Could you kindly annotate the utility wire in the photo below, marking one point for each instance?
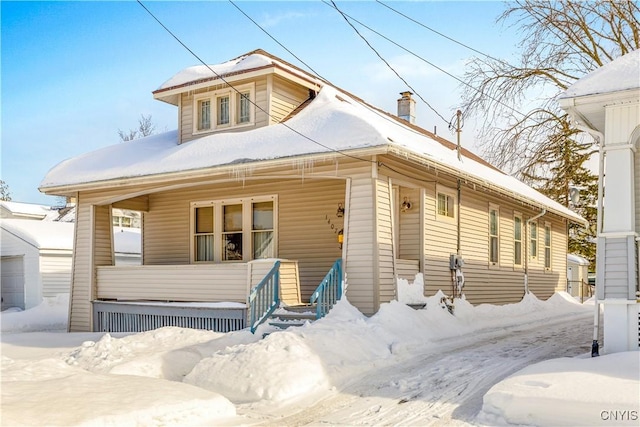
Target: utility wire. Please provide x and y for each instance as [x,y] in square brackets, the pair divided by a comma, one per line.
[252,102]
[364,104]
[426,61]
[439,33]
[385,61]
[275,40]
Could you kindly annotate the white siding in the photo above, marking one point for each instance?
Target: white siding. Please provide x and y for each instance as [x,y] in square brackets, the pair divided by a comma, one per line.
[13,246]
[56,274]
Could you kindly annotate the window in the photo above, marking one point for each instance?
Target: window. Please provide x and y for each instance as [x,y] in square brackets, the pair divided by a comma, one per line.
[203,244]
[547,246]
[517,239]
[232,233]
[493,234]
[224,108]
[234,230]
[446,203]
[262,230]
[204,114]
[533,240]
[222,105]
[244,107]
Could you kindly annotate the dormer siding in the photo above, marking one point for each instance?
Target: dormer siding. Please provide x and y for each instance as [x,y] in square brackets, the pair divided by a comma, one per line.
[271,93]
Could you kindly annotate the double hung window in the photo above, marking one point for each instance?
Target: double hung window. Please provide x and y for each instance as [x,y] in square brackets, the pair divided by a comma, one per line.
[517,239]
[445,203]
[494,242]
[533,240]
[547,246]
[234,230]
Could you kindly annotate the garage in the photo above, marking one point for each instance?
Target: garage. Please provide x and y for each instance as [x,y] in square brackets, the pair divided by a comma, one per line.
[12,290]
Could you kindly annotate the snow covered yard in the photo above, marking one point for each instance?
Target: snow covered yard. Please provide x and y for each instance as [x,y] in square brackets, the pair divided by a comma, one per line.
[399,367]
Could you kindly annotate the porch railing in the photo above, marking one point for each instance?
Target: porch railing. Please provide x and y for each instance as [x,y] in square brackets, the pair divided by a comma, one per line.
[264,297]
[329,291]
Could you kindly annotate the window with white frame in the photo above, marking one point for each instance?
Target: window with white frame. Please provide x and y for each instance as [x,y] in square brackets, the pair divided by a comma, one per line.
[243,115]
[533,240]
[204,114]
[517,239]
[234,230]
[223,108]
[446,203]
[494,242]
[547,246]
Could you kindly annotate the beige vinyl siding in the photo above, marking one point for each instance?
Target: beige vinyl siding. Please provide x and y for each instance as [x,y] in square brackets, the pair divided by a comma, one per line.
[440,243]
[55,270]
[186,112]
[409,225]
[304,232]
[80,299]
[103,236]
[361,260]
[203,282]
[384,241]
[285,97]
[289,278]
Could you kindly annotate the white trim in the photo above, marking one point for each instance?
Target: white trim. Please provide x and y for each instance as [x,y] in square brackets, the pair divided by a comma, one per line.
[449,192]
[213,96]
[496,208]
[544,240]
[618,301]
[517,214]
[218,218]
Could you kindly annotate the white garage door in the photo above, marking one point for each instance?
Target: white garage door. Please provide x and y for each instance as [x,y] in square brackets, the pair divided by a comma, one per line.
[12,291]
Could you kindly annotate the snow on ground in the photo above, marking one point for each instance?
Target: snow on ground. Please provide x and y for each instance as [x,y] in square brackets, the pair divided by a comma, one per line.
[401,366]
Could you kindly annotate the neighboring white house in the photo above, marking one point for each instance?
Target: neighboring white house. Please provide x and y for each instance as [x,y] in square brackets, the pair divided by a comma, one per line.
[606,104]
[578,276]
[18,210]
[36,258]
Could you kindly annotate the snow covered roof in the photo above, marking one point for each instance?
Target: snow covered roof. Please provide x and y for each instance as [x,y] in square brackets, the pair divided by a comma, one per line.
[59,235]
[332,125]
[32,210]
[255,61]
[41,234]
[620,74]
[577,259]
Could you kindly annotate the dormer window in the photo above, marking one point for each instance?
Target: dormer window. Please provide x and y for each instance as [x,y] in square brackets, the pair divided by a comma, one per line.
[228,107]
[204,114]
[222,105]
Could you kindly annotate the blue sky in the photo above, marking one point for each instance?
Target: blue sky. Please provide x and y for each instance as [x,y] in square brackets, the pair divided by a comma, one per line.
[73,73]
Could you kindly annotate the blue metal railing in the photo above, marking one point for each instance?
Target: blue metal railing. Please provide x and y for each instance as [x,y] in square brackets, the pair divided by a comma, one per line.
[328,291]
[265,297]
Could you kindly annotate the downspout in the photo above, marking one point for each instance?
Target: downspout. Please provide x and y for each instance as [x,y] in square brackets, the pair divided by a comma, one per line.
[599,137]
[526,258]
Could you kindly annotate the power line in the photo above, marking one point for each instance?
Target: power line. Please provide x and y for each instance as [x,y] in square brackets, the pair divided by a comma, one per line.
[438,32]
[364,104]
[275,40]
[238,92]
[385,61]
[427,62]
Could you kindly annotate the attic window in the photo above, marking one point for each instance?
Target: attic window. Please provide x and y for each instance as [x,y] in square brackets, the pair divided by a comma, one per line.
[229,107]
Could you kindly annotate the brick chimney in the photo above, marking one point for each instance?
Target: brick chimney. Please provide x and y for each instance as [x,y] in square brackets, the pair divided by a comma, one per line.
[407,107]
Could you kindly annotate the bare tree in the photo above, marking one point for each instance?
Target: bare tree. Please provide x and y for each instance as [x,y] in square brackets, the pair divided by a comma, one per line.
[524,131]
[561,41]
[145,128]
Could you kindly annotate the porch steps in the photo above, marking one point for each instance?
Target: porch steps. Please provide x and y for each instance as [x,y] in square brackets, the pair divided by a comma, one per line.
[294,316]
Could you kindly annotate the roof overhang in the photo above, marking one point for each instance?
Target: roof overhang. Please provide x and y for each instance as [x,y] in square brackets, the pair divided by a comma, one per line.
[171,94]
[589,110]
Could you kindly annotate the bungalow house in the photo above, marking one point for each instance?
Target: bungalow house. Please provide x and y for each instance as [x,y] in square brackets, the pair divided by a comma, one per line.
[606,104]
[273,169]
